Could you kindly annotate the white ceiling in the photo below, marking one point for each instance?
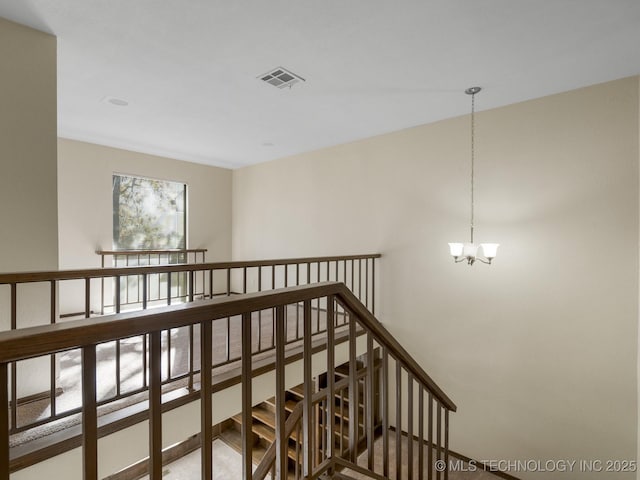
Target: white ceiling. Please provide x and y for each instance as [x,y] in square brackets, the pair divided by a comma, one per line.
[189,68]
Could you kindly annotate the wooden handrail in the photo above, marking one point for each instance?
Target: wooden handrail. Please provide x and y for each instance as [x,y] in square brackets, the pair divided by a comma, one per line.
[55,275]
[47,339]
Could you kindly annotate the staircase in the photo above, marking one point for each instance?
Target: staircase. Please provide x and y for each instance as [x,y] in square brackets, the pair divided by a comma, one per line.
[323,424]
[263,426]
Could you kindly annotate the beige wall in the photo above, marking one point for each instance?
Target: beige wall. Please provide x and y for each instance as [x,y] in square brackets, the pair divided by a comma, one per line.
[28,187]
[539,350]
[29,213]
[85,171]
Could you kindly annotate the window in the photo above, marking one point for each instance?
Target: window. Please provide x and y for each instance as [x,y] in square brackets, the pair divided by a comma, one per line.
[148,214]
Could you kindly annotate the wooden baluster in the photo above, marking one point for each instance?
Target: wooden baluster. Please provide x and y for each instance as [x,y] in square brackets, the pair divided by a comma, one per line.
[117,294]
[298,452]
[273,311]
[210,283]
[439,437]
[307,404]
[126,282]
[273,327]
[89,414]
[331,366]
[145,291]
[366,283]
[321,412]
[191,359]
[102,286]
[421,433]
[169,288]
[168,333]
[204,283]
[244,280]
[228,345]
[373,286]
[297,303]
[353,269]
[344,271]
[360,279]
[446,443]
[353,392]
[247,421]
[273,277]
[87,297]
[260,311]
[206,390]
[14,366]
[4,422]
[191,298]
[52,358]
[342,422]
[369,401]
[410,426]
[398,420]
[384,399]
[318,312]
[118,307]
[281,441]
[430,438]
[155,405]
[118,387]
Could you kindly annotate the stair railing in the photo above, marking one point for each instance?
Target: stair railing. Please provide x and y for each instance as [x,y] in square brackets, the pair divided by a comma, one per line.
[143,287]
[319,454]
[143,258]
[387,377]
[126,258]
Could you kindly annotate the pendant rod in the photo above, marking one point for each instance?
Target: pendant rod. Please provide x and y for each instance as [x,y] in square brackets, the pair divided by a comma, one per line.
[472,91]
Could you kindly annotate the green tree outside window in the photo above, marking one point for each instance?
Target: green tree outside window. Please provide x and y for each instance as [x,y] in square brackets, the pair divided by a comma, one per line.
[148,214]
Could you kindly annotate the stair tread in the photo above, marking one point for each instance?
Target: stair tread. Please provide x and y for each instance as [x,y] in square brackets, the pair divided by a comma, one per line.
[343,369]
[265,416]
[269,419]
[289,404]
[298,390]
[263,431]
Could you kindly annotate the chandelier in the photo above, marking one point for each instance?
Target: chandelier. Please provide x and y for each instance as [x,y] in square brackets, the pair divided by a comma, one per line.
[470,251]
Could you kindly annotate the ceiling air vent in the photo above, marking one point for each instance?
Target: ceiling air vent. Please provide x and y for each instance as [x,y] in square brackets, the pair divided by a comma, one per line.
[281,77]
